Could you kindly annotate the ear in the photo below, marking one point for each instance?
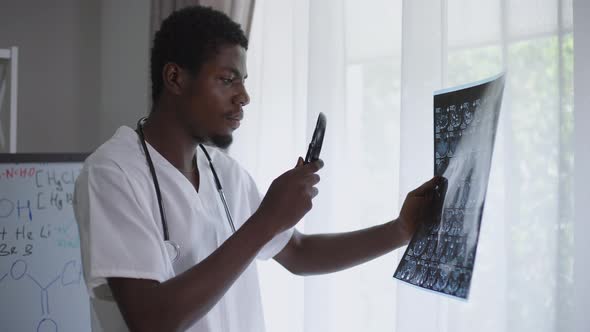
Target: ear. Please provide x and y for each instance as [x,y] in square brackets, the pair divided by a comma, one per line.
[174,78]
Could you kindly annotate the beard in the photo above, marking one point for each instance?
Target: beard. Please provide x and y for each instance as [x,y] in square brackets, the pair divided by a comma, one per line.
[221,141]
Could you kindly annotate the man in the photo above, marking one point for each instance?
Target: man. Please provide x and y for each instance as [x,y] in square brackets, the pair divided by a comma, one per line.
[138,208]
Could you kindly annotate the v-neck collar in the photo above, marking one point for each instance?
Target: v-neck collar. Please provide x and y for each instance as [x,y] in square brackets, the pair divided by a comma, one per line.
[159,160]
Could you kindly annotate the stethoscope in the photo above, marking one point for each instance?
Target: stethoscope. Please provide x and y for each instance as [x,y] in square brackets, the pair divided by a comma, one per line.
[172,247]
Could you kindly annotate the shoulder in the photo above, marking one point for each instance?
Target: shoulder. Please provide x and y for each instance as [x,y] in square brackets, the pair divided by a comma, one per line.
[117,166]
[121,151]
[119,157]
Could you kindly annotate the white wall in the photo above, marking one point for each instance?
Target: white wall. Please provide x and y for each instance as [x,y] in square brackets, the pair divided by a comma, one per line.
[582,163]
[124,60]
[83,69]
[58,72]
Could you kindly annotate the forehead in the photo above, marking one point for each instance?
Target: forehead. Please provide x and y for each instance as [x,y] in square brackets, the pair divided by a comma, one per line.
[228,57]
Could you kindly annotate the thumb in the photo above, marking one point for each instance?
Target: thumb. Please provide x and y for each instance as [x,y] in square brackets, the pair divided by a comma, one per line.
[299,162]
[427,187]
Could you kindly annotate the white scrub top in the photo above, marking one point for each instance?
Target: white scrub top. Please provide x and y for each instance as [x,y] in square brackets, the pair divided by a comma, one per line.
[121,232]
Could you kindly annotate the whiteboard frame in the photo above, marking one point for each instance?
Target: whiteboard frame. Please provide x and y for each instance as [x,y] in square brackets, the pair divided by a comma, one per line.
[7,158]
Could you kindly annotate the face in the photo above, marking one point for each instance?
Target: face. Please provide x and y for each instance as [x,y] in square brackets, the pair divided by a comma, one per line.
[212,101]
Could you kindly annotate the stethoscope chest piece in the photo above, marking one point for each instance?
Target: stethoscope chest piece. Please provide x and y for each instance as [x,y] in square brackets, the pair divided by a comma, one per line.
[173,250]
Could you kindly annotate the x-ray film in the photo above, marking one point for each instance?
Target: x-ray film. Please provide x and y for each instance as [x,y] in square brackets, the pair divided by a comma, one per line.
[441,254]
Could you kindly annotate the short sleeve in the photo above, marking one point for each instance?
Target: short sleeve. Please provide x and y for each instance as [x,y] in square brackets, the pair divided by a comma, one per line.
[118,236]
[278,242]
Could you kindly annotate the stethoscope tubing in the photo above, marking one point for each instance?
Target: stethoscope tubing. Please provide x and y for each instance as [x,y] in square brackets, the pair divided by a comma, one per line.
[165,231]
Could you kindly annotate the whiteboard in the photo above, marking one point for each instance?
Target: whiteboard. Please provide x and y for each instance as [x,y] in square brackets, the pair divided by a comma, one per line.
[41,282]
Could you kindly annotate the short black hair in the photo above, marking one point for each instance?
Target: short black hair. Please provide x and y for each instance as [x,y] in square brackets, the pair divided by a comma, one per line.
[189,37]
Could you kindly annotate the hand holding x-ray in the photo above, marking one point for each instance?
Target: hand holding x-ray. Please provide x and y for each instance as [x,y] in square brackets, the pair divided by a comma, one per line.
[421,206]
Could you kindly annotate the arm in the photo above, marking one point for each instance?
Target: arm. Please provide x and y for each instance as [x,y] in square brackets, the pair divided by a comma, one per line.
[326,253]
[176,304]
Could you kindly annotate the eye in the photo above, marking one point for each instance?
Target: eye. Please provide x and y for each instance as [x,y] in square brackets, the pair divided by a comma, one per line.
[226,80]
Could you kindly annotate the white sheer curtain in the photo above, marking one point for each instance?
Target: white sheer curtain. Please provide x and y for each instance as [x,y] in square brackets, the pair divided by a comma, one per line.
[372,66]
[582,163]
[523,280]
[302,61]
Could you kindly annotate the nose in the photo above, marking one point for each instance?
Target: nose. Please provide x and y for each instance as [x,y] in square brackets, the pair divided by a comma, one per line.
[242,98]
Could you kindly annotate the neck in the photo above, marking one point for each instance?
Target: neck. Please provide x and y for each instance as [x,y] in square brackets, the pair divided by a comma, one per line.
[171,140]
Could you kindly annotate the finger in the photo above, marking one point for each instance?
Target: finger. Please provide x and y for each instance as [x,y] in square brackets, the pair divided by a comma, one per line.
[299,162]
[313,179]
[313,192]
[427,187]
[315,166]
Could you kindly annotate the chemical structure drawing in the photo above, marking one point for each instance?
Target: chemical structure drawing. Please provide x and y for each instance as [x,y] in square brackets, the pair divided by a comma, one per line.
[70,274]
[41,281]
